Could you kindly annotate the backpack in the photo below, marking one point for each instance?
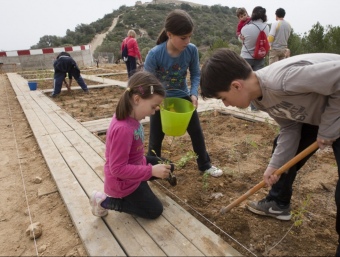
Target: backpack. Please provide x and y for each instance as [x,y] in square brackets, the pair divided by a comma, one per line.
[262,45]
[125,52]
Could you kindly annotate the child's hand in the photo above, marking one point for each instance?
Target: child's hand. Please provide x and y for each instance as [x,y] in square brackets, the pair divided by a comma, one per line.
[194,100]
[269,178]
[161,170]
[323,143]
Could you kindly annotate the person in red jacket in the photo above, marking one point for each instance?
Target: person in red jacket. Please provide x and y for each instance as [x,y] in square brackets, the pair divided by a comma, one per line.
[133,52]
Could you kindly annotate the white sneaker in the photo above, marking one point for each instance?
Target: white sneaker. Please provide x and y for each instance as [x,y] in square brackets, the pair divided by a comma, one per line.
[95,200]
[214,172]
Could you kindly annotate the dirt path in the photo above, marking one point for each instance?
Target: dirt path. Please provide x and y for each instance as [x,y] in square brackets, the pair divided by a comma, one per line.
[28,193]
[98,39]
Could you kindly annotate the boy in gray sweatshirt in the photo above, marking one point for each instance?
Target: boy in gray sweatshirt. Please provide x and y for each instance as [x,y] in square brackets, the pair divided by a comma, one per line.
[302,94]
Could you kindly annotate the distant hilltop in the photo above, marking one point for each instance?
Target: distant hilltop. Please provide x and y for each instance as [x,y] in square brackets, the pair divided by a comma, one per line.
[176,2]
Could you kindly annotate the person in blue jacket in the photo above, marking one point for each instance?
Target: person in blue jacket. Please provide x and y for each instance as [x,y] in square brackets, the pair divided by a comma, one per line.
[65,65]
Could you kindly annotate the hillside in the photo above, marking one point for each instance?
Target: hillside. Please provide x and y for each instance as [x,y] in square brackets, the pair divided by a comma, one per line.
[211,23]
[214,27]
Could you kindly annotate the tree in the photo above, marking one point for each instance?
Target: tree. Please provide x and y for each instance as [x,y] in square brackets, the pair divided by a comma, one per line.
[218,43]
[294,44]
[313,42]
[47,41]
[332,40]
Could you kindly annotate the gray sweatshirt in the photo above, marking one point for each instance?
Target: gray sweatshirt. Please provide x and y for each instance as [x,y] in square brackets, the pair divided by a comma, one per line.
[301,89]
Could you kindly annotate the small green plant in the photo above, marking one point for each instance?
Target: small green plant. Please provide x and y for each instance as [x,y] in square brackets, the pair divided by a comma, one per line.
[185,159]
[251,142]
[205,181]
[298,215]
[81,109]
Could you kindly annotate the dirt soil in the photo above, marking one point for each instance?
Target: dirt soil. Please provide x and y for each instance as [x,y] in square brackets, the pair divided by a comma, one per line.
[241,148]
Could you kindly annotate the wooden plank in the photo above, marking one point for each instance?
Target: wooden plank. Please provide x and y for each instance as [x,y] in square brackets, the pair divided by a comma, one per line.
[93,159]
[81,170]
[44,109]
[101,125]
[131,236]
[90,138]
[97,238]
[90,181]
[253,116]
[105,80]
[48,101]
[46,121]
[208,242]
[77,87]
[35,123]
[19,84]
[169,238]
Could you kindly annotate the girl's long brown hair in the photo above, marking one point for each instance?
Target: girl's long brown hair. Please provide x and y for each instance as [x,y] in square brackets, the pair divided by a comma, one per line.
[141,83]
[178,22]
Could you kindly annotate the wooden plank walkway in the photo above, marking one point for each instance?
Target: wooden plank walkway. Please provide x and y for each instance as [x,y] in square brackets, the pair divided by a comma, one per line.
[75,158]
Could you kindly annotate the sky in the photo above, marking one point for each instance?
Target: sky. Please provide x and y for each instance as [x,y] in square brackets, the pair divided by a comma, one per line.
[23,22]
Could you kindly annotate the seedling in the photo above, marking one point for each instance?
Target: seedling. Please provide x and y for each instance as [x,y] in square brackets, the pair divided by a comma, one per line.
[185,159]
[205,181]
[172,178]
[298,215]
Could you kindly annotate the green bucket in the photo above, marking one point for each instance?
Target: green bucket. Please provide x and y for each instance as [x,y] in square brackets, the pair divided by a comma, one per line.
[175,115]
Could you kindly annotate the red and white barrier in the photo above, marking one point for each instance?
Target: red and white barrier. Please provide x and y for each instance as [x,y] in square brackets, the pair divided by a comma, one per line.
[44,51]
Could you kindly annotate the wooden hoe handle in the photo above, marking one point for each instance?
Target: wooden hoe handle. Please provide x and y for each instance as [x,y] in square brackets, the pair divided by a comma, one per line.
[279,171]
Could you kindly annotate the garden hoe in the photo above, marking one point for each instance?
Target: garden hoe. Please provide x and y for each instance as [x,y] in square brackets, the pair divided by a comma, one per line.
[279,171]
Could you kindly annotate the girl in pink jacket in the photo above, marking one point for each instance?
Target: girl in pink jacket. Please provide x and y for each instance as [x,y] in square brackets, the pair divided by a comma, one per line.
[127,170]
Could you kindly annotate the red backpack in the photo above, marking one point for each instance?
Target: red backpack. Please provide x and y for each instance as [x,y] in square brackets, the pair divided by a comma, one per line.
[262,45]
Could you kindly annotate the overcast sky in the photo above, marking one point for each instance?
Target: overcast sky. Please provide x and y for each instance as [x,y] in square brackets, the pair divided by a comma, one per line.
[24,22]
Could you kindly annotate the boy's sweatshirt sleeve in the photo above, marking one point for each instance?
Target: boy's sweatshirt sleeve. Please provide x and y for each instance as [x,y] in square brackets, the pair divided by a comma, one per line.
[323,79]
[290,134]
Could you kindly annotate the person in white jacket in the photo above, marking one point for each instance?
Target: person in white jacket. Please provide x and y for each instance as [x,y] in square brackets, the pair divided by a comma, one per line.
[302,94]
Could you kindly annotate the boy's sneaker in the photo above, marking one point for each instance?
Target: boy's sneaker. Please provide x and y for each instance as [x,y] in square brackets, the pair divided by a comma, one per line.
[269,208]
[95,200]
[214,172]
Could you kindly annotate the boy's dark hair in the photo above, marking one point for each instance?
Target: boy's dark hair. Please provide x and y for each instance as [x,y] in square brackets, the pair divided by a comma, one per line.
[178,22]
[240,11]
[223,67]
[259,13]
[280,13]
[141,83]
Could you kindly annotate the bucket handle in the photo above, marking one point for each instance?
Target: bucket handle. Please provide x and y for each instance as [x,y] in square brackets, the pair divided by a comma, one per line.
[178,90]
[162,105]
